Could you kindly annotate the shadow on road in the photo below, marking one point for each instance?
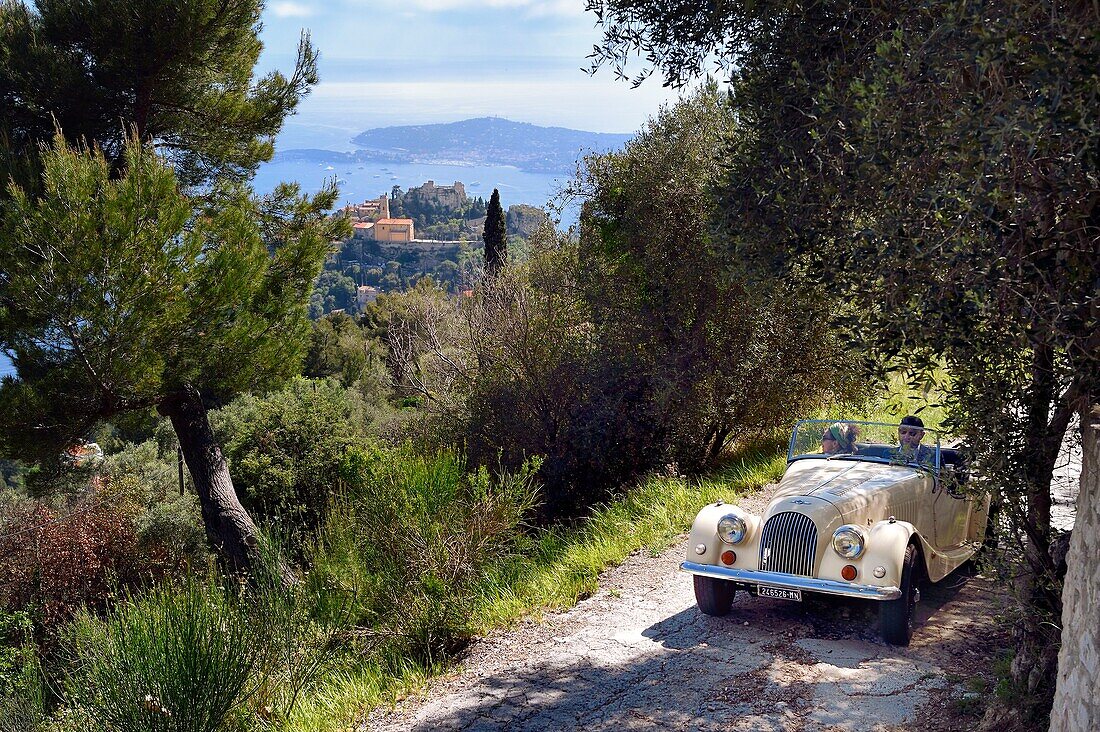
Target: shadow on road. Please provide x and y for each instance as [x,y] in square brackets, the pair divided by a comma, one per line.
[769,665]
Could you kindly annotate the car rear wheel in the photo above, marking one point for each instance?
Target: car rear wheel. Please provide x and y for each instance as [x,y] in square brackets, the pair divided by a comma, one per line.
[896,616]
[713,595]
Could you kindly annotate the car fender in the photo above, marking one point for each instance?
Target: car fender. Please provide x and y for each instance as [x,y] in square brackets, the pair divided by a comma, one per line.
[704,533]
[886,542]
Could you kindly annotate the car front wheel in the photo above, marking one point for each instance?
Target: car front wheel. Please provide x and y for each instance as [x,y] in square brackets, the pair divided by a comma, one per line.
[896,616]
[713,595]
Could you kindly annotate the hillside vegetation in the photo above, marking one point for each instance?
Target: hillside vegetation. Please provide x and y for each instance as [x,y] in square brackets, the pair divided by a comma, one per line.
[219,514]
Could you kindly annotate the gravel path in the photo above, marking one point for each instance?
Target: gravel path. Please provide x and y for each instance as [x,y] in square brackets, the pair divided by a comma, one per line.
[638,655]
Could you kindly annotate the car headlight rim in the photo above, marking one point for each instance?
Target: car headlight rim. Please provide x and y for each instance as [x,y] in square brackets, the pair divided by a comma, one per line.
[732,529]
[849,541]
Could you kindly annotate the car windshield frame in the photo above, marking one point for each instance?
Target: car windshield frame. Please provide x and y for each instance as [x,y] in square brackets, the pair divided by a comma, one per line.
[870,452]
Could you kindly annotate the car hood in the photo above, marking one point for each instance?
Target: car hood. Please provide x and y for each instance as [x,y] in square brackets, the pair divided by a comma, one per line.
[846,484]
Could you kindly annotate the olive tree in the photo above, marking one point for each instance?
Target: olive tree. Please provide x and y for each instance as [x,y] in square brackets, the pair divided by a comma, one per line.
[934,165]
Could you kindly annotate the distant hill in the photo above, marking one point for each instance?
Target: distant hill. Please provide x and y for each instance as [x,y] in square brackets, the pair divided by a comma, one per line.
[486,141]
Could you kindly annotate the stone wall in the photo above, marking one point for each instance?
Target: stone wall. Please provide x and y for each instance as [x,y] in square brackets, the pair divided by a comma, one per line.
[1077,697]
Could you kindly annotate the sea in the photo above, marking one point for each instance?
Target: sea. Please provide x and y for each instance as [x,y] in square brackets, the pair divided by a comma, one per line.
[359,181]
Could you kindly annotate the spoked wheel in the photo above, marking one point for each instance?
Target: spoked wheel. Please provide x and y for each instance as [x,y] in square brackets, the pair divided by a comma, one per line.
[713,595]
[896,616]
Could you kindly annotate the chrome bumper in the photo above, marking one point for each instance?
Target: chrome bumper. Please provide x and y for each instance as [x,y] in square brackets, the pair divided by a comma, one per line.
[792,582]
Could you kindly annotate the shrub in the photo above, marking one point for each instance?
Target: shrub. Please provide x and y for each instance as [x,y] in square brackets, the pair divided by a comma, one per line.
[56,561]
[171,535]
[177,659]
[408,540]
[197,657]
[20,674]
[285,449]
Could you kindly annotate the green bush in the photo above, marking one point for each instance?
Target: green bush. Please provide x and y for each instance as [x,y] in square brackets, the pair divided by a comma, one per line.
[409,539]
[178,659]
[285,449]
[170,531]
[20,674]
[196,657]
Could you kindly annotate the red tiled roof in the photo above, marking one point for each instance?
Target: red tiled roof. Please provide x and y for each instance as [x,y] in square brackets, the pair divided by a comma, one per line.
[406,222]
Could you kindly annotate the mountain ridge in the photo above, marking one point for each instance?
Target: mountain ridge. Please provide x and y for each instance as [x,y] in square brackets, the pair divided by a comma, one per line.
[476,141]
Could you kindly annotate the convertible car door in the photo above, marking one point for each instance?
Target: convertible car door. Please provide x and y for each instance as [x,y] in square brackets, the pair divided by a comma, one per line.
[952,516]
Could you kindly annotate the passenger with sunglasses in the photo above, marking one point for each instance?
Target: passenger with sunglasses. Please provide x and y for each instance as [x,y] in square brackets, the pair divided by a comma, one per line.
[839,439]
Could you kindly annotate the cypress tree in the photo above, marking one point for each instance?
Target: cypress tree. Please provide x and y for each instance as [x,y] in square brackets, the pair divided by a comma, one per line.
[495,235]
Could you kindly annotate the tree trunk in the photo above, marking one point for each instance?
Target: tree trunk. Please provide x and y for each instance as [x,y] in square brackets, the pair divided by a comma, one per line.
[1076,703]
[1038,588]
[228,524]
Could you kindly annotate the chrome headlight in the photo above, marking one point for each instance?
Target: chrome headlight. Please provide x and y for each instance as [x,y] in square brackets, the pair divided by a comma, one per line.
[848,542]
[732,528]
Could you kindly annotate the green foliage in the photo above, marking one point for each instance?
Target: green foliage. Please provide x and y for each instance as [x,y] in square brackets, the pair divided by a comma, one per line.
[716,355]
[543,569]
[332,291]
[409,540]
[938,179]
[495,235]
[640,345]
[197,656]
[178,73]
[119,293]
[285,449]
[169,526]
[21,693]
[339,349]
[170,532]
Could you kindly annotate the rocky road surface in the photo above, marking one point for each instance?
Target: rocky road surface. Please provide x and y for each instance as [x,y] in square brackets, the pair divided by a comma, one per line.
[638,655]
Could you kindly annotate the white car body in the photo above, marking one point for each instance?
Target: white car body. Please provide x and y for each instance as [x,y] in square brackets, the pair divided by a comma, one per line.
[892,503]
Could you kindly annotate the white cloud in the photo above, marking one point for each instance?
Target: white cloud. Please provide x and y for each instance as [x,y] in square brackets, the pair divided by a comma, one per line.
[530,8]
[564,8]
[289,9]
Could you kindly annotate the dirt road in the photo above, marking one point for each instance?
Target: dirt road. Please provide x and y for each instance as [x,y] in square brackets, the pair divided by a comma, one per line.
[638,655]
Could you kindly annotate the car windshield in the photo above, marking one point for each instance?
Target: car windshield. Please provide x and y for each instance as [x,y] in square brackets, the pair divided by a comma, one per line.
[865,441]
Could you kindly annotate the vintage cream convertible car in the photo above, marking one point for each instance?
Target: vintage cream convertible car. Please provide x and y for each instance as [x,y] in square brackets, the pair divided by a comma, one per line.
[867,520]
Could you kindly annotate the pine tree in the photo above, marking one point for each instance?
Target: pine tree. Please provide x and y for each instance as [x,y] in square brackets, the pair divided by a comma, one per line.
[495,235]
[119,296]
[176,73]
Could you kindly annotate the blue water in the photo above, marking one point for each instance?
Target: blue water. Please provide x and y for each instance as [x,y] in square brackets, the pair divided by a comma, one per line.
[360,181]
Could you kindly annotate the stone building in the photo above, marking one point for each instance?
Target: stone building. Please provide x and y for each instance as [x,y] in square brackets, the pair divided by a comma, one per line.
[370,210]
[365,294]
[449,196]
[393,230]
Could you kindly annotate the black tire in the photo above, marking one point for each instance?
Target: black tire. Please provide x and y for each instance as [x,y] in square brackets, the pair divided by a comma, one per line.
[713,595]
[896,616]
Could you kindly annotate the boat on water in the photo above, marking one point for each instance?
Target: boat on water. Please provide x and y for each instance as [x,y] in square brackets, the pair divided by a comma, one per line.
[329,167]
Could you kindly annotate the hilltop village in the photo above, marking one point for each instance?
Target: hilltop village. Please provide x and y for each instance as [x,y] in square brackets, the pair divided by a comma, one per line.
[404,236]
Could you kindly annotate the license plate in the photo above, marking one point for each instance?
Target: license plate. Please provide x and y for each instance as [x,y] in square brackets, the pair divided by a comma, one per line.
[779,593]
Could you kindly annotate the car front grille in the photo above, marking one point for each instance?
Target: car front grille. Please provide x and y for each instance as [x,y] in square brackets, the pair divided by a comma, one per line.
[788,544]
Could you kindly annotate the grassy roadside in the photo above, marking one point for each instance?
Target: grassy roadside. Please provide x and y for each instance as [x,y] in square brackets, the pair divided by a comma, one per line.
[549,569]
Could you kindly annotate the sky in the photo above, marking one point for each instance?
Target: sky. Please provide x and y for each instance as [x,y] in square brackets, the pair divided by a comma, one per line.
[396,62]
